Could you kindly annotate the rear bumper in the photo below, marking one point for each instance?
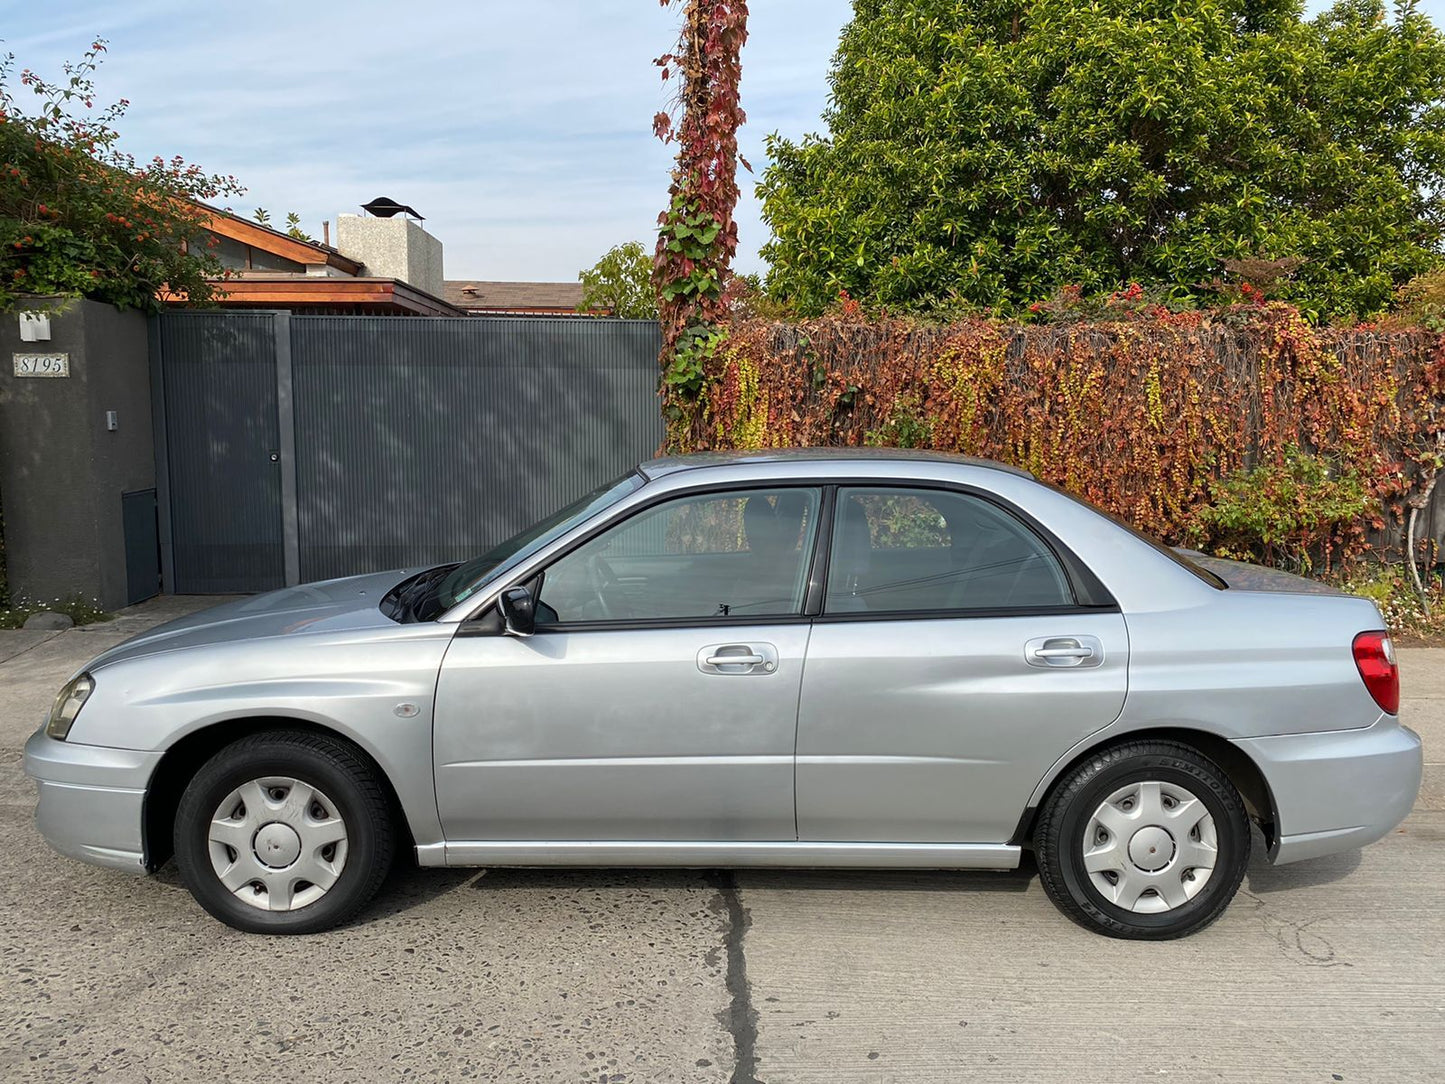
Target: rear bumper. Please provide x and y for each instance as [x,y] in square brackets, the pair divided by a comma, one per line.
[1337,790]
[91,800]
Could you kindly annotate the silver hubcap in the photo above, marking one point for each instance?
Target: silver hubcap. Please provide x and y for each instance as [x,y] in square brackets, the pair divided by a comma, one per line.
[1150,847]
[277,843]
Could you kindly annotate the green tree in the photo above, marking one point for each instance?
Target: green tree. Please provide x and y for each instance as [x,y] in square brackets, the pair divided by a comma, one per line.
[79,217]
[622,282]
[293,224]
[988,152]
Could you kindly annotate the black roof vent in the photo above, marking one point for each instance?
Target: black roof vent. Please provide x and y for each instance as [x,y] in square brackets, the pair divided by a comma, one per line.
[385,207]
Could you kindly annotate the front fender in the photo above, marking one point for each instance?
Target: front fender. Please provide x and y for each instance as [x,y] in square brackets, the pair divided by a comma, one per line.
[375,688]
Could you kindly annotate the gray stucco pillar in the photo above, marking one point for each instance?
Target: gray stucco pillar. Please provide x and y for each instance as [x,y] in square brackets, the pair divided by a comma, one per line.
[63,469]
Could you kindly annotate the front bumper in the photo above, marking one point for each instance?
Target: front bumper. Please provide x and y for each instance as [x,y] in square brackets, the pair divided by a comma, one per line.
[1337,790]
[92,799]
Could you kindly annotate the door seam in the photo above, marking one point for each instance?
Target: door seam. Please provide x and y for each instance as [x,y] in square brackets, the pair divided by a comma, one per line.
[797,726]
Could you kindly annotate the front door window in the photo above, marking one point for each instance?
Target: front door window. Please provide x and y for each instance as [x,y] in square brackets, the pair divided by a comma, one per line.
[736,554]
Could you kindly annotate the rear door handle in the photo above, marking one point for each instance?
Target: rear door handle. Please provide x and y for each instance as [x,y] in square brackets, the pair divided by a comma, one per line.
[735,659]
[1060,652]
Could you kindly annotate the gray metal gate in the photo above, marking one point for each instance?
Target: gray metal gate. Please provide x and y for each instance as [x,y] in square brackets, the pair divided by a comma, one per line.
[305,447]
[218,445]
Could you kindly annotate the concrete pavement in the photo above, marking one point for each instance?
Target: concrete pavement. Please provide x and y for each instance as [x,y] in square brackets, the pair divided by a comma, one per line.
[1322,971]
[1422,707]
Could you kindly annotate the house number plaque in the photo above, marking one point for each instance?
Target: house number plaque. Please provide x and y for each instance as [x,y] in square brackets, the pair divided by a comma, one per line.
[42,364]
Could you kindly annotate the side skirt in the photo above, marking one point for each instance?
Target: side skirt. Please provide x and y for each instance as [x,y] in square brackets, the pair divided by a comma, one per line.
[999,856]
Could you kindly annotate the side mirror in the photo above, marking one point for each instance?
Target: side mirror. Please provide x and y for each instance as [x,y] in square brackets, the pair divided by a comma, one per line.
[519,611]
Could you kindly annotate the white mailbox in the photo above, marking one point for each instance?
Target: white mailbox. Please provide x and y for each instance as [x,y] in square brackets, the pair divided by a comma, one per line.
[34,327]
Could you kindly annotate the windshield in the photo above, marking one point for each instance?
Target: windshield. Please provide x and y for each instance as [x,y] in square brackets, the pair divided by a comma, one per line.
[467,578]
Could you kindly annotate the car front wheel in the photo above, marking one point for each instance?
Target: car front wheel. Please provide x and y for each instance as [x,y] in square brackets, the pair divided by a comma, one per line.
[1146,840]
[284,832]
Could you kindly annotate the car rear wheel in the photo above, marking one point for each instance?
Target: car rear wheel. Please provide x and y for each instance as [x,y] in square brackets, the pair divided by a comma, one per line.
[1146,840]
[284,832]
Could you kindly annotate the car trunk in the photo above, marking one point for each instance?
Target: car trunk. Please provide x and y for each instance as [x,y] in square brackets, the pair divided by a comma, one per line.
[1246,577]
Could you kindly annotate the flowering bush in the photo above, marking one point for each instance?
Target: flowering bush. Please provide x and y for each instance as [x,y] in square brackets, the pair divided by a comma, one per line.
[81,610]
[1406,615]
[80,218]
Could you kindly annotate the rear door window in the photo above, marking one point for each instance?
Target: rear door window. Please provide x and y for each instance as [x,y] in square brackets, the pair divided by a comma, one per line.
[922,550]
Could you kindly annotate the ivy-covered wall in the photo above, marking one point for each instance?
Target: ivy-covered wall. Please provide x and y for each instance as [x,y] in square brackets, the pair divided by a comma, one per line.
[1153,417]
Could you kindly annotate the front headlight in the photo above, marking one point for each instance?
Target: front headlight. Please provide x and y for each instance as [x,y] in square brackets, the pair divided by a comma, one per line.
[67,706]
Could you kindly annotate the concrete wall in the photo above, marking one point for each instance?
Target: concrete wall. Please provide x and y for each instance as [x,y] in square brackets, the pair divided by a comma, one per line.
[392,248]
[61,472]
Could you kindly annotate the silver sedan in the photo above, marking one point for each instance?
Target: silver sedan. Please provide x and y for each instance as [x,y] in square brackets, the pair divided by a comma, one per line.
[773,659]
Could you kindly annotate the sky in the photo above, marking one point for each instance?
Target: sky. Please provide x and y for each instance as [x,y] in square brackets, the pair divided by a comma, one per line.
[520,129]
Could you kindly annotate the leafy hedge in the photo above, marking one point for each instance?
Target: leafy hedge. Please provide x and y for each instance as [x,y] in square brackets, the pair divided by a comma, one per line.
[1154,417]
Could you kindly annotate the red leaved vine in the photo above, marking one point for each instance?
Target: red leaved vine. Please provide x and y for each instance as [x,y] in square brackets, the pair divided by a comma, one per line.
[697,235]
[1142,415]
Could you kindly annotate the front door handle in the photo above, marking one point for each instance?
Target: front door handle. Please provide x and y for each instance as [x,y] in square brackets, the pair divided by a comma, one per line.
[724,659]
[732,660]
[1064,651]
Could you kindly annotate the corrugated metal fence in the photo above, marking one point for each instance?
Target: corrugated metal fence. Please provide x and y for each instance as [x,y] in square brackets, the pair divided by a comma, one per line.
[304,447]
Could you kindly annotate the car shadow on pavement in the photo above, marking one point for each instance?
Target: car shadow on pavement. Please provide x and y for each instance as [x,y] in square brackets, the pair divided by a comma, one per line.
[962,881]
[412,887]
[577,878]
[405,888]
[409,886]
[500,879]
[1263,878]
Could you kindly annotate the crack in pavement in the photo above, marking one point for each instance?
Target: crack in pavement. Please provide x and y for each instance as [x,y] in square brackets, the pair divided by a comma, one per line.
[27,650]
[739,1018]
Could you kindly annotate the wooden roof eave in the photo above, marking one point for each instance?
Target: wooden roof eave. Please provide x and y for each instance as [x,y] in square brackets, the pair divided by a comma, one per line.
[278,244]
[282,291]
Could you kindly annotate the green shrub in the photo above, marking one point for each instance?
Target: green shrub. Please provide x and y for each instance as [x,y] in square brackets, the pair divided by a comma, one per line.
[907,426]
[1291,513]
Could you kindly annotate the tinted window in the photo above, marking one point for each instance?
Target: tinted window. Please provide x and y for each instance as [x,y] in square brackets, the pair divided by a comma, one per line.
[231,253]
[261,260]
[719,555]
[914,549]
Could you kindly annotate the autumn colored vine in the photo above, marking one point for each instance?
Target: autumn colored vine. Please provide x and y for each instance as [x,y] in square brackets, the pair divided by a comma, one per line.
[1145,416]
[697,235]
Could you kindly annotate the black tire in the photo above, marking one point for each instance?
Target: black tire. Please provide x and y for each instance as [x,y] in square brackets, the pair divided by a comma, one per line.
[1059,838]
[330,766]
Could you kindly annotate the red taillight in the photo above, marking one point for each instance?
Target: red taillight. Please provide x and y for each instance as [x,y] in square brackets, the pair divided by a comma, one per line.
[1375,657]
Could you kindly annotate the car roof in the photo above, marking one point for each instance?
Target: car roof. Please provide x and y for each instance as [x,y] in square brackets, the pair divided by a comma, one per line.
[834,458]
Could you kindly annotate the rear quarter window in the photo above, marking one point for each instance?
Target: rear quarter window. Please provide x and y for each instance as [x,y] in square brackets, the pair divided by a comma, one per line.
[1180,559]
